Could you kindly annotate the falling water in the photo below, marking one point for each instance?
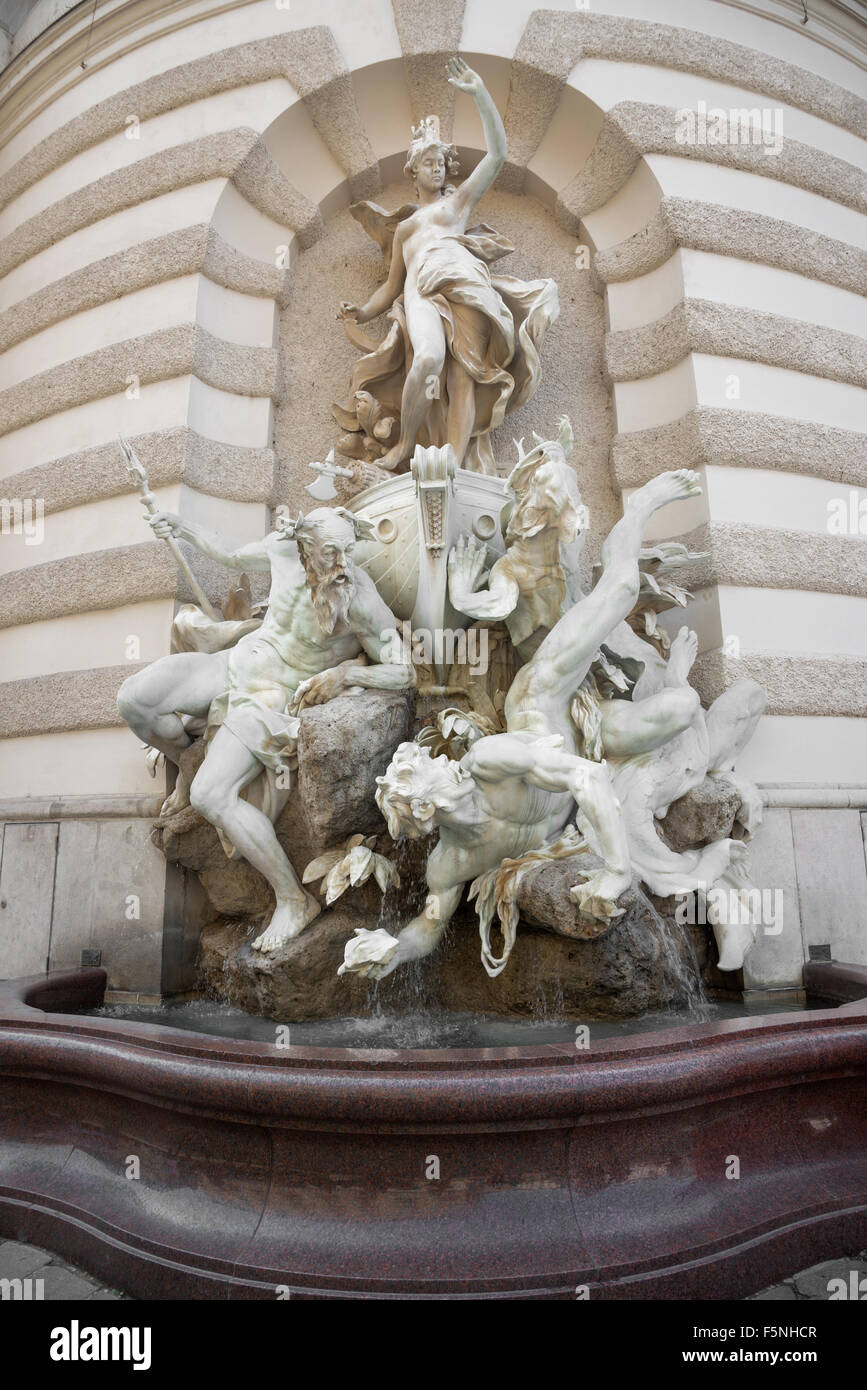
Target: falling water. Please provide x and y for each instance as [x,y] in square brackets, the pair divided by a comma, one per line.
[549,1005]
[678,950]
[405,993]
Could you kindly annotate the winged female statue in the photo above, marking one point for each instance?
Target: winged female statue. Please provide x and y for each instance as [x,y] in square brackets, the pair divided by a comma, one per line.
[462,347]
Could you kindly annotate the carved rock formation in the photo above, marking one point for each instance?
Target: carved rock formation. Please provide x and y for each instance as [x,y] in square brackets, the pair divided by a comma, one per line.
[636,967]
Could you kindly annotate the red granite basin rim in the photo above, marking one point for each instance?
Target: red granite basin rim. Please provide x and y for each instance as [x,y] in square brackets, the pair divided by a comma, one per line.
[551,1082]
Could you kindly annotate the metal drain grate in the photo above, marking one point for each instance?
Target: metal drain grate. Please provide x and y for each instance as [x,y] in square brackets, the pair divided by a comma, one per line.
[820,952]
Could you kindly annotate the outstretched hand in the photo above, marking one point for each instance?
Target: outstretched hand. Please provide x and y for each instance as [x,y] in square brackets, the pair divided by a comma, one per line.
[463,77]
[370,954]
[466,564]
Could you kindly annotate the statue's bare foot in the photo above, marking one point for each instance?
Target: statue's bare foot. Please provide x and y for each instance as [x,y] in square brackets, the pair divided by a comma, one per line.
[179,799]
[733,941]
[681,657]
[597,896]
[393,458]
[673,486]
[289,919]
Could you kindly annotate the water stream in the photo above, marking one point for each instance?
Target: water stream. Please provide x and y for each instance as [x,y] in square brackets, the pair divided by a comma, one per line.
[678,950]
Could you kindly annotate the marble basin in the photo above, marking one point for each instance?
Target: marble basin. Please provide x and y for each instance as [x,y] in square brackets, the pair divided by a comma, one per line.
[706,1161]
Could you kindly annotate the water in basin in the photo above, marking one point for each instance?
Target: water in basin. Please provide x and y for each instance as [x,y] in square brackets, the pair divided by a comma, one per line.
[416,1028]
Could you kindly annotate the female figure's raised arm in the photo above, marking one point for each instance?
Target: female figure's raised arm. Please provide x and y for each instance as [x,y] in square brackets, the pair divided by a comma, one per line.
[480,180]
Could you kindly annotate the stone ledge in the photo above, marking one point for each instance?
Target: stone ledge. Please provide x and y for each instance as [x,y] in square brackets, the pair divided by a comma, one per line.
[63,701]
[185,350]
[728,330]
[170,456]
[795,684]
[112,578]
[307,58]
[739,439]
[728,231]
[814,796]
[196,248]
[632,129]
[770,557]
[232,154]
[90,582]
[554,41]
[49,808]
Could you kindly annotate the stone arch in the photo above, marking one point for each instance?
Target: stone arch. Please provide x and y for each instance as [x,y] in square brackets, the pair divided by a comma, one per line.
[278,166]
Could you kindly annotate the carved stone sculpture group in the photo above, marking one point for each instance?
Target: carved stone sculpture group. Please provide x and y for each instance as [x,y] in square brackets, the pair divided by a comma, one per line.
[581,735]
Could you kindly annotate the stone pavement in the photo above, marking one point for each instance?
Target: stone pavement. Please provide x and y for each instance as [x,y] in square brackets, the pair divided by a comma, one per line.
[812,1284]
[24,1266]
[62,1281]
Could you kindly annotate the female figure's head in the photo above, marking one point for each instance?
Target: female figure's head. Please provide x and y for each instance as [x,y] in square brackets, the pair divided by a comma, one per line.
[429,160]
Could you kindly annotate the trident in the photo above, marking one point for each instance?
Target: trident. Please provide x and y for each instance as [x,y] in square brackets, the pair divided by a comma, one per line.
[139,477]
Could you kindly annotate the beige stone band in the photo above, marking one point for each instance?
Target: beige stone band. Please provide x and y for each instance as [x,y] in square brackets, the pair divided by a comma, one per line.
[84,583]
[748,236]
[632,129]
[170,456]
[192,249]
[770,557]
[740,439]
[63,701]
[727,330]
[554,41]
[41,808]
[307,58]
[795,685]
[103,579]
[184,350]
[231,154]
[807,795]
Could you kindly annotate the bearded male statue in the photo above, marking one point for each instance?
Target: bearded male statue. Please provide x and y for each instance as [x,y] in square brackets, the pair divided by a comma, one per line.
[325,620]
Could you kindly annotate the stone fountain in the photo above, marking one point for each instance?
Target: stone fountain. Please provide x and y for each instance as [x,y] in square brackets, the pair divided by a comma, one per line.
[449,751]
[432,664]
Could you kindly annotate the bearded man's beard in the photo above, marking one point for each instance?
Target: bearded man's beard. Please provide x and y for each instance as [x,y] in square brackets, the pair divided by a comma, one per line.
[331,594]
